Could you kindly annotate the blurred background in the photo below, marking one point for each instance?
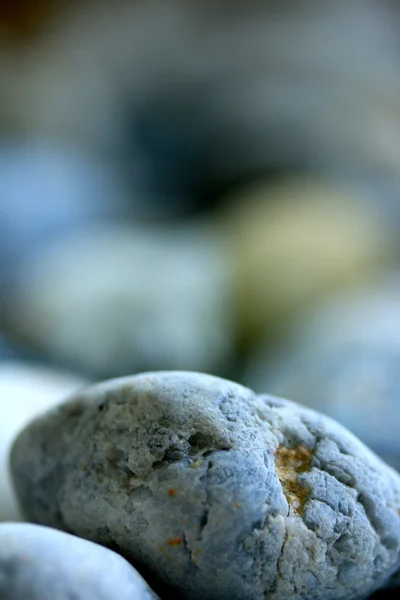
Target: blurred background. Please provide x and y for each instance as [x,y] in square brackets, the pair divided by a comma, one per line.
[212,186]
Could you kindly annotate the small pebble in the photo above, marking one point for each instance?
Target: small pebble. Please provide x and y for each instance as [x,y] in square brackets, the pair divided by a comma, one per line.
[39,563]
[218,493]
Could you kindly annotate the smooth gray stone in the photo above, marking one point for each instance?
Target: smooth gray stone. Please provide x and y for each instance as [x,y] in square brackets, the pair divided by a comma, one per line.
[39,563]
[219,493]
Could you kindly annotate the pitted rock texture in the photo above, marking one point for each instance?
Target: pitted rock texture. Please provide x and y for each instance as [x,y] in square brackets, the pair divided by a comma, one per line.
[39,563]
[216,492]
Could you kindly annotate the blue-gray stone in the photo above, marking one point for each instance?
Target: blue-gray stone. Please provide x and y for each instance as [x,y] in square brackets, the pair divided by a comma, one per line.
[40,563]
[219,493]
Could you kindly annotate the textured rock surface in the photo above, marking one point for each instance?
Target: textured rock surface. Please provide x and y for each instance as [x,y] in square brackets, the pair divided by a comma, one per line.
[25,390]
[39,563]
[343,360]
[219,493]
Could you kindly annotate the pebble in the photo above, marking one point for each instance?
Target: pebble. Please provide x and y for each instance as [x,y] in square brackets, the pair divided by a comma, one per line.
[296,242]
[343,359]
[61,190]
[220,494]
[40,563]
[120,299]
[25,390]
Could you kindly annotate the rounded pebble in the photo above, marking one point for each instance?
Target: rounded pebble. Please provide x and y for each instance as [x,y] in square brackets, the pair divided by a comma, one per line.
[39,563]
[220,494]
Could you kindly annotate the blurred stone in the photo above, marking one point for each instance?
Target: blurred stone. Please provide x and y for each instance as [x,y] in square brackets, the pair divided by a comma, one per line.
[343,360]
[45,191]
[25,390]
[114,300]
[39,563]
[295,242]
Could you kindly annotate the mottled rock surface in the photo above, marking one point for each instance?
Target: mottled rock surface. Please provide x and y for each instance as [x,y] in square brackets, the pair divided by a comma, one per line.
[220,494]
[39,563]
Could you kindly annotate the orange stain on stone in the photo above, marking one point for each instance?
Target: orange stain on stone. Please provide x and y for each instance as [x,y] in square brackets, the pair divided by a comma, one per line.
[175,542]
[289,463]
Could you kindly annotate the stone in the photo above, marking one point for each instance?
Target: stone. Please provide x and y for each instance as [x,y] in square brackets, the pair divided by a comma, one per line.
[37,563]
[343,359]
[119,299]
[26,389]
[61,190]
[297,241]
[217,492]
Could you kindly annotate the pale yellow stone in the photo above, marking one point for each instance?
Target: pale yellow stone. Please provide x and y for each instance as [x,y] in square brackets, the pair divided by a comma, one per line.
[297,241]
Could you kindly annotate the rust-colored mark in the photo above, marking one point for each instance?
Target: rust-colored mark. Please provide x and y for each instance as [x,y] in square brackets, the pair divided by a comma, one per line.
[175,542]
[237,505]
[289,463]
[171,492]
